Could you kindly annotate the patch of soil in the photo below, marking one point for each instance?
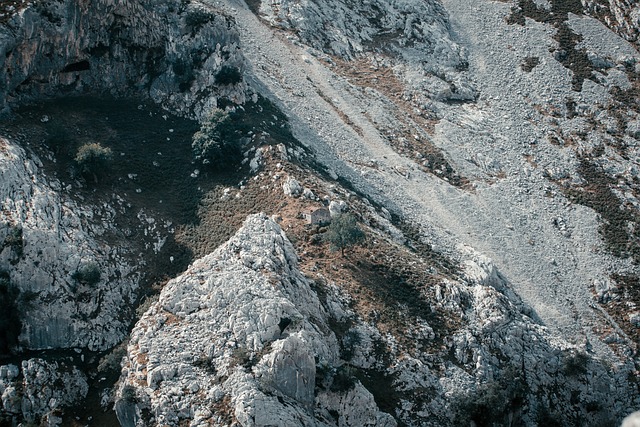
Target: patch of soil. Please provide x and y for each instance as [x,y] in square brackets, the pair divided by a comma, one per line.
[390,285]
[403,136]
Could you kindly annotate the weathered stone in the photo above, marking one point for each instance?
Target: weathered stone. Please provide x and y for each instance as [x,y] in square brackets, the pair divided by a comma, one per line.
[292,187]
[56,237]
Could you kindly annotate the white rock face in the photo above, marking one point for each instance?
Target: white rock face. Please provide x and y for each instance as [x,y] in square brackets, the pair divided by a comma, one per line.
[57,237]
[632,420]
[412,37]
[292,187]
[239,333]
[43,388]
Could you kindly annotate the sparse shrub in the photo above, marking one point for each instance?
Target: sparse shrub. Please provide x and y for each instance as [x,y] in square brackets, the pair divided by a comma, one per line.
[492,403]
[92,159]
[205,363]
[350,342]
[15,241]
[344,379]
[324,375]
[129,394]
[548,418]
[575,363]
[87,274]
[110,362]
[343,232]
[240,357]
[215,144]
[145,305]
[196,18]
[228,76]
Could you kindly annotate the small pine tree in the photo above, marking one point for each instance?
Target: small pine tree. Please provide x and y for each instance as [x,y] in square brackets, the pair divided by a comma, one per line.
[343,232]
[92,158]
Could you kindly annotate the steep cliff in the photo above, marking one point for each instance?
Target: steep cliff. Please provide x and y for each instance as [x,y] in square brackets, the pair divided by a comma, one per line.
[184,55]
[47,239]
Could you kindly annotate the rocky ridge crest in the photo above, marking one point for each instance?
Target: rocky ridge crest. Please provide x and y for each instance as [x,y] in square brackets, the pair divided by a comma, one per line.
[243,337]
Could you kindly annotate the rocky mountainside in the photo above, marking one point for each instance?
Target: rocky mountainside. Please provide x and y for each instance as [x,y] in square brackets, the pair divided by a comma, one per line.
[488,150]
[244,337]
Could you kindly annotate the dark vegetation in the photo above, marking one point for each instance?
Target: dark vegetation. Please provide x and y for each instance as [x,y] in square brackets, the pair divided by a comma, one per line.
[492,403]
[15,242]
[93,159]
[529,63]
[196,18]
[343,233]
[629,288]
[215,144]
[575,363]
[567,54]
[129,394]
[10,324]
[228,75]
[87,274]
[597,193]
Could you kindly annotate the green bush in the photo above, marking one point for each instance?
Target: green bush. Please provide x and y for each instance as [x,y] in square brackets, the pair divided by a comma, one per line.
[343,232]
[344,379]
[92,159]
[228,76]
[129,394]
[87,274]
[575,363]
[491,403]
[215,143]
[111,362]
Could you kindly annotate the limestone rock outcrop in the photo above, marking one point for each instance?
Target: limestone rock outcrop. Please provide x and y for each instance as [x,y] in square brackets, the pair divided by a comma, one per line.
[411,38]
[238,335]
[40,388]
[47,237]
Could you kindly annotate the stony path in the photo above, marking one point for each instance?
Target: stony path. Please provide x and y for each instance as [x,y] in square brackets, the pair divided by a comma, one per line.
[512,220]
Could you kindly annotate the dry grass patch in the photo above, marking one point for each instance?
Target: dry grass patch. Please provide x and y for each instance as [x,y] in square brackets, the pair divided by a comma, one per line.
[388,284]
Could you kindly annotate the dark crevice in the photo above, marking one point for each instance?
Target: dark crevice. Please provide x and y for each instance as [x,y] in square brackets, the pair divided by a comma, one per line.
[77,66]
